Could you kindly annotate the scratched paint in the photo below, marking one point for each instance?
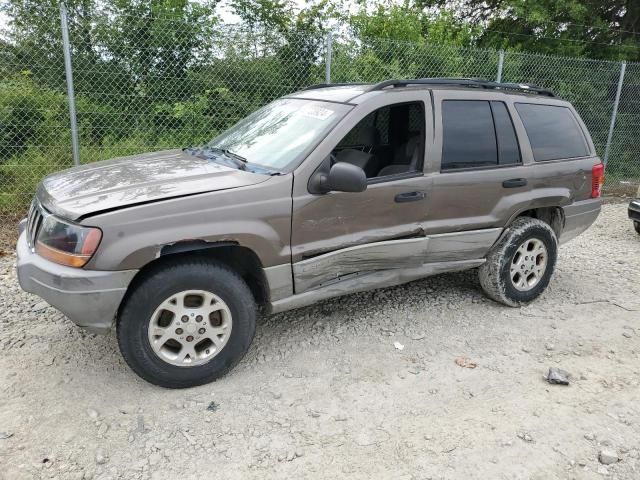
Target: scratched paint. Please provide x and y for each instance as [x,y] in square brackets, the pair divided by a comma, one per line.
[392,254]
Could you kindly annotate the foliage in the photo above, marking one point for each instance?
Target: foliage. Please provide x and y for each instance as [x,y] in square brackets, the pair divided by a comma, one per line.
[28,114]
[589,28]
[411,22]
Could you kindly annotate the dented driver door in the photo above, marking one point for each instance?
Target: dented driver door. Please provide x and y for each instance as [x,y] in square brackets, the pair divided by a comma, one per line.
[338,235]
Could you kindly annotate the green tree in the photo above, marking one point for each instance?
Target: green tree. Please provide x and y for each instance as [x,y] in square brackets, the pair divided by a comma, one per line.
[392,40]
[411,21]
[299,36]
[261,15]
[591,28]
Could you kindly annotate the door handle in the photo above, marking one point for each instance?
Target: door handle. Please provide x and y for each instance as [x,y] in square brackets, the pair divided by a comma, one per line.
[514,183]
[410,197]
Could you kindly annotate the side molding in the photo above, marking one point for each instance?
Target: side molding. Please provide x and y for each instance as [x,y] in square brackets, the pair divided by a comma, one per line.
[462,245]
[318,271]
[368,281]
[315,271]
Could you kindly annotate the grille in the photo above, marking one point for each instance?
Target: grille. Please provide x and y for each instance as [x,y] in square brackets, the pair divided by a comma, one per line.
[33,223]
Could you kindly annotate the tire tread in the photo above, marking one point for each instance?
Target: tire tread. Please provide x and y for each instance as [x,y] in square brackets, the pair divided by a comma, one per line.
[491,274]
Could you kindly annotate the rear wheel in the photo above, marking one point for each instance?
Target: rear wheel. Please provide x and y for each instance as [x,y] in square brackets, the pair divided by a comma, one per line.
[519,267]
[186,323]
[636,225]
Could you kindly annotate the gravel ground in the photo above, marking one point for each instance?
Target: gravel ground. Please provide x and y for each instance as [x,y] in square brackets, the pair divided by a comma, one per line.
[363,387]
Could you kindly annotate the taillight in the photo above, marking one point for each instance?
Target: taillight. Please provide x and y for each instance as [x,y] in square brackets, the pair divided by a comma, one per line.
[597,180]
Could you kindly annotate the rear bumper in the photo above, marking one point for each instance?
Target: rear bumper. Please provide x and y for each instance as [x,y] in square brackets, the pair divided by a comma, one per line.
[89,298]
[578,217]
[634,210]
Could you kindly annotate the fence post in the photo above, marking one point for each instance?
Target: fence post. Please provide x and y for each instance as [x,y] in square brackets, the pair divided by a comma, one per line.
[614,114]
[500,65]
[327,58]
[75,146]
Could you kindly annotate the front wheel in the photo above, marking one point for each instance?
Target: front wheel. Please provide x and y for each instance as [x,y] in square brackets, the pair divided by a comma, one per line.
[186,323]
[519,267]
[636,225]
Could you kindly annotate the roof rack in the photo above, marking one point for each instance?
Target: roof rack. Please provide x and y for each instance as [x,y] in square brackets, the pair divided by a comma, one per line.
[328,85]
[464,82]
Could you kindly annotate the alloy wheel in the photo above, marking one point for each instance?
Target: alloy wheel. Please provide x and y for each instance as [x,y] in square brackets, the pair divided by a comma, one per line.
[190,328]
[528,265]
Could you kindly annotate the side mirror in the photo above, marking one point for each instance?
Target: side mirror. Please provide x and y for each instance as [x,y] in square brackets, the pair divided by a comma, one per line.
[342,177]
[345,177]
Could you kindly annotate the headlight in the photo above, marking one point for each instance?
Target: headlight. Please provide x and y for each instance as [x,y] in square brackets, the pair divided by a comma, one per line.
[67,243]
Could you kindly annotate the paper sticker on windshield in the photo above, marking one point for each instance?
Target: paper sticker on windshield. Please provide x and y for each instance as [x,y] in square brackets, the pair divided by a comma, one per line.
[315,111]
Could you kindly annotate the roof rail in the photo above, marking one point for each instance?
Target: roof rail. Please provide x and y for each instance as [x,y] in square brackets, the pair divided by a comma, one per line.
[328,85]
[464,82]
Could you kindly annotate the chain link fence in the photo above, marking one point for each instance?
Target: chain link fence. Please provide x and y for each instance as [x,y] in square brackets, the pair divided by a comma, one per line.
[148,82]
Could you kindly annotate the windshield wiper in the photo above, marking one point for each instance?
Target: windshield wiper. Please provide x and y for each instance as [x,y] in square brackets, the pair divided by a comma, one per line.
[239,162]
[229,153]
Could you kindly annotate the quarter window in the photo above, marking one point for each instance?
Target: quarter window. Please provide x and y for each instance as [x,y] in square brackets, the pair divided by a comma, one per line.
[553,132]
[508,148]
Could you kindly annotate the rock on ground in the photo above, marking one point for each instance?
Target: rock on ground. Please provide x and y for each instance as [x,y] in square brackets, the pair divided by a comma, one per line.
[558,376]
[608,456]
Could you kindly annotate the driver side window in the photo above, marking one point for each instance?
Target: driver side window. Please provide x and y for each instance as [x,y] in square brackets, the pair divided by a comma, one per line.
[387,142]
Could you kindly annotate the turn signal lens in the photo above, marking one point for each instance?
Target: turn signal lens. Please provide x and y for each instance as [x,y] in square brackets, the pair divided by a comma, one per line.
[597,180]
[66,243]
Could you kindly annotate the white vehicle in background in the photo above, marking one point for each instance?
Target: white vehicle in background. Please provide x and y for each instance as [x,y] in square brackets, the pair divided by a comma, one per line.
[634,211]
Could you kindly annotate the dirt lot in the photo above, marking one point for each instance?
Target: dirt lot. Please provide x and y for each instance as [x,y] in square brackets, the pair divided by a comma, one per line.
[325,393]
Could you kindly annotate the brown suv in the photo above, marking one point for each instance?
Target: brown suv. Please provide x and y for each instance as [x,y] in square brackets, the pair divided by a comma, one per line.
[331,190]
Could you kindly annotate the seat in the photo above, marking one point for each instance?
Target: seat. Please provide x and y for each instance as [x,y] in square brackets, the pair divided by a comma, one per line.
[354,157]
[405,159]
[370,138]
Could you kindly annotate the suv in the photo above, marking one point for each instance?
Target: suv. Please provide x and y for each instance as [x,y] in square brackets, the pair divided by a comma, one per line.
[328,191]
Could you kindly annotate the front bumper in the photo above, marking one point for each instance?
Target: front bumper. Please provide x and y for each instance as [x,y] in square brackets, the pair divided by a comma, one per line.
[89,298]
[634,210]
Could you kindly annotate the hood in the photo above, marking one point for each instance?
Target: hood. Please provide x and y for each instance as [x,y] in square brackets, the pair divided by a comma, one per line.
[127,181]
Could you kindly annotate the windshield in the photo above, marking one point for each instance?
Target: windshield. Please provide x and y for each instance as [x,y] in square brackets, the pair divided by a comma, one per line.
[281,133]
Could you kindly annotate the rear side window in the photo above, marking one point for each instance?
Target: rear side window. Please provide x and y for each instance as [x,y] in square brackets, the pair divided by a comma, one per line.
[553,132]
[469,138]
[477,133]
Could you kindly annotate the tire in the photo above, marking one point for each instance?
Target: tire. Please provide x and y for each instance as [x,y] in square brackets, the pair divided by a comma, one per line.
[181,285]
[501,277]
[636,225]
